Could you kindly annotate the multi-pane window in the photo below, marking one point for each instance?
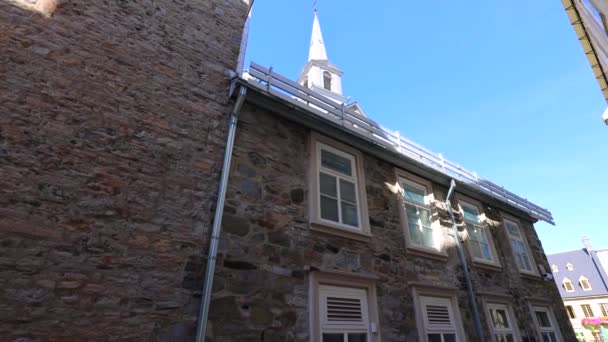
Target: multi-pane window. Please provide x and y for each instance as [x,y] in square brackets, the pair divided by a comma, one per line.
[584,283]
[604,308]
[546,324]
[587,310]
[570,311]
[439,320]
[597,337]
[344,314]
[478,237]
[418,213]
[503,327]
[568,285]
[518,245]
[338,195]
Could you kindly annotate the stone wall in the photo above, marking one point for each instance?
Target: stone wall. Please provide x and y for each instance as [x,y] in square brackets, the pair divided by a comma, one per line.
[113,117]
[267,249]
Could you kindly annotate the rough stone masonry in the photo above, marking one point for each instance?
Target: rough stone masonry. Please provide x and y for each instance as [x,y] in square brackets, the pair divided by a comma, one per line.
[113,117]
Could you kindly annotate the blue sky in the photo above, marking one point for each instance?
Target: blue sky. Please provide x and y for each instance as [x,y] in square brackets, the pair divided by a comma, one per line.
[501,87]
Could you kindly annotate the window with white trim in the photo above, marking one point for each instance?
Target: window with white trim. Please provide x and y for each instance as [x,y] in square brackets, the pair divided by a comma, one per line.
[417,202]
[326,80]
[568,285]
[519,247]
[554,269]
[569,267]
[587,310]
[338,189]
[343,314]
[502,322]
[440,322]
[546,324]
[478,239]
[570,311]
[584,282]
[604,308]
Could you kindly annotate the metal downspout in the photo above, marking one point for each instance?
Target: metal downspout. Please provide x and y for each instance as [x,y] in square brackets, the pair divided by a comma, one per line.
[217,220]
[465,267]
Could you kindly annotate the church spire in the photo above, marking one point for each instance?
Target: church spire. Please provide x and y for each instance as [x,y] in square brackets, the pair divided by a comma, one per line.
[317,46]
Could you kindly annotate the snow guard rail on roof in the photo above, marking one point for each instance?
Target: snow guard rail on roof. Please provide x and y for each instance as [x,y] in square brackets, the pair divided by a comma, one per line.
[266,80]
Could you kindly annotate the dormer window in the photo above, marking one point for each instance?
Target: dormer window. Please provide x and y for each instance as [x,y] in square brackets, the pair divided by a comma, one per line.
[584,282]
[326,80]
[568,285]
[554,269]
[569,267]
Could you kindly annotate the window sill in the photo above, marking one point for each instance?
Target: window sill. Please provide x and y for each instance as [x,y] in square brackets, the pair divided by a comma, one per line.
[339,231]
[428,253]
[487,266]
[528,275]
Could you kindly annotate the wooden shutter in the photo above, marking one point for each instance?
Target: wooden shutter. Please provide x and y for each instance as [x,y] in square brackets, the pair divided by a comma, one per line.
[343,309]
[438,314]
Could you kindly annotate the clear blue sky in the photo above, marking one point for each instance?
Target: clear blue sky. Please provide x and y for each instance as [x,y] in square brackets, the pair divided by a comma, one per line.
[500,87]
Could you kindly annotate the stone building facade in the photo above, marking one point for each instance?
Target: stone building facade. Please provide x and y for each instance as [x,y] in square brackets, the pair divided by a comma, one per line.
[325,236]
[113,119]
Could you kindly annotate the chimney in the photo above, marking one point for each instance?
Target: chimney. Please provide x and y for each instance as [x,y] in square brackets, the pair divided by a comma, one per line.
[587,243]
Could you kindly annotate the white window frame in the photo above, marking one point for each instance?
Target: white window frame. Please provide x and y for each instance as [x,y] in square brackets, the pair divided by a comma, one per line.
[462,202]
[604,309]
[554,269]
[582,280]
[318,223]
[570,311]
[524,240]
[566,281]
[587,310]
[429,198]
[569,267]
[441,296]
[348,285]
[501,304]
[554,326]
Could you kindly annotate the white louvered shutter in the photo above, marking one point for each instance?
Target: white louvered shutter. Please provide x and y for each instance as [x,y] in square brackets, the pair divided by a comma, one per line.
[343,309]
[438,314]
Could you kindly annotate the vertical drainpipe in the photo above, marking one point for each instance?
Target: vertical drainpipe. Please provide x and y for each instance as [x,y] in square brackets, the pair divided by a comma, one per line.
[217,220]
[465,267]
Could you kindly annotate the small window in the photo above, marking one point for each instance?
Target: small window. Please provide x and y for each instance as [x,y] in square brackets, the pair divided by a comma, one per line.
[519,247]
[344,314]
[597,337]
[440,322]
[326,80]
[478,240]
[569,267]
[584,282]
[570,311]
[305,83]
[338,200]
[420,230]
[587,310]
[604,308]
[545,323]
[337,196]
[502,322]
[568,285]
[554,269]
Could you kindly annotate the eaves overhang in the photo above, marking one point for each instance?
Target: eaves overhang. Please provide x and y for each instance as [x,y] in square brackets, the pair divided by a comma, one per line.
[584,38]
[271,91]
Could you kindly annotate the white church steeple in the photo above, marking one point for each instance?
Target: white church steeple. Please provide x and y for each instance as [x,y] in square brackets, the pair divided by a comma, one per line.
[319,74]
